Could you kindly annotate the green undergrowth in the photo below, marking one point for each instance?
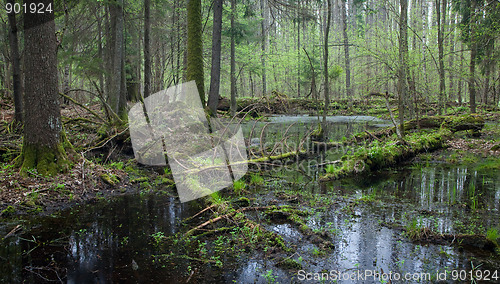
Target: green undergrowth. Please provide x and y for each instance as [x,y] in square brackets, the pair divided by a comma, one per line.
[491,164]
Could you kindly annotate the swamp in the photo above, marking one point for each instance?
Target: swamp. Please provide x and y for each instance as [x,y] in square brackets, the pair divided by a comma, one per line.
[210,141]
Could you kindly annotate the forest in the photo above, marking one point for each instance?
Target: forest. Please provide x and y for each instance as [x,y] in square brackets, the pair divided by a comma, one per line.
[250,141]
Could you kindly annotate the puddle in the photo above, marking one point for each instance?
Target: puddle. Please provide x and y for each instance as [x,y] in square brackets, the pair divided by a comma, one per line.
[114,240]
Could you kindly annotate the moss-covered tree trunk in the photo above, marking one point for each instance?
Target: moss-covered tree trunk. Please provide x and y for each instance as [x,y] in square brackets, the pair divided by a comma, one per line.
[42,146]
[195,47]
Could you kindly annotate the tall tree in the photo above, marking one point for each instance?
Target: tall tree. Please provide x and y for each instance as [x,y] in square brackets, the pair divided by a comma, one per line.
[265,42]
[346,50]
[116,77]
[233,60]
[195,47]
[403,59]
[42,144]
[147,48]
[213,94]
[325,61]
[16,65]
[472,65]
[440,13]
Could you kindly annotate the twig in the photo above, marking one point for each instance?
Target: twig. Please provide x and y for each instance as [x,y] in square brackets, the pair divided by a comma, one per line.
[373,136]
[201,212]
[83,106]
[107,141]
[13,231]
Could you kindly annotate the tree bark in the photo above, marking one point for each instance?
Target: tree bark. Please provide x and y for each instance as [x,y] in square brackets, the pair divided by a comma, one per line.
[233,61]
[147,49]
[440,13]
[195,47]
[264,33]
[16,66]
[117,54]
[403,59]
[451,58]
[346,51]
[472,66]
[325,61]
[42,146]
[213,94]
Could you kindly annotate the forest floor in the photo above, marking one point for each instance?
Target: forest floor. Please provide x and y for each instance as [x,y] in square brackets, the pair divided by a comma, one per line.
[110,169]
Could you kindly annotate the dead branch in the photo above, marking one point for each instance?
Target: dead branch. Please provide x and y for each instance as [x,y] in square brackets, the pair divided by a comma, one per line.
[13,231]
[214,220]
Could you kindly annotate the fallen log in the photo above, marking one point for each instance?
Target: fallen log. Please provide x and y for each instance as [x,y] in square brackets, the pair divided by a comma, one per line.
[453,123]
[380,155]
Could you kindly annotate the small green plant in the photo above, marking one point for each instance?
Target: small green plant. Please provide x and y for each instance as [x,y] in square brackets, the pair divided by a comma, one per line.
[256,179]
[317,252]
[124,241]
[415,230]
[217,198]
[158,237]
[239,185]
[58,187]
[8,211]
[330,169]
[117,165]
[270,278]
[167,171]
[492,234]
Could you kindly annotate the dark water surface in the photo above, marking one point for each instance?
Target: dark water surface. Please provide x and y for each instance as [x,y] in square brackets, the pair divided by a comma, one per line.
[114,241]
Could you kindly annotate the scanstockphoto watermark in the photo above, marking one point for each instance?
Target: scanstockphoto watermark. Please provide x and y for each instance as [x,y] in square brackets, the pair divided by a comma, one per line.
[362,275]
[205,155]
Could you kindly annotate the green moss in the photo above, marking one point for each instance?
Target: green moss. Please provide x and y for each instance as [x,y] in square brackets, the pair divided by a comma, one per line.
[318,133]
[289,263]
[8,211]
[243,202]
[139,179]
[110,179]
[490,164]
[164,180]
[382,154]
[46,160]
[256,179]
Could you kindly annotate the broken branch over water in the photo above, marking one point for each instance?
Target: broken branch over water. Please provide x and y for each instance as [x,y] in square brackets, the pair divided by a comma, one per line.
[382,154]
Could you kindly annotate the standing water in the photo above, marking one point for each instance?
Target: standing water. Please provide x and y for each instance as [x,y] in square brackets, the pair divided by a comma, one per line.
[123,238]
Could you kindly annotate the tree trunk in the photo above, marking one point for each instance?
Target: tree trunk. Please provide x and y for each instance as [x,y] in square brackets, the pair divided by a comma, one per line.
[460,82]
[100,52]
[233,61]
[42,146]
[451,58]
[403,59]
[117,54]
[472,66]
[213,94]
[346,51]
[147,49]
[265,29]
[195,47]
[488,65]
[16,67]
[441,12]
[325,61]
